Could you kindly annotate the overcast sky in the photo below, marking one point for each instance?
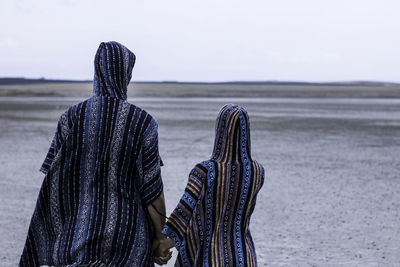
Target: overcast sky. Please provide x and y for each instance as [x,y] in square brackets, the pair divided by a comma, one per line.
[219,40]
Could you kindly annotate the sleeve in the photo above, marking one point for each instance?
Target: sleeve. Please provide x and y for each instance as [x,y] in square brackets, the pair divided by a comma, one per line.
[63,129]
[152,185]
[177,225]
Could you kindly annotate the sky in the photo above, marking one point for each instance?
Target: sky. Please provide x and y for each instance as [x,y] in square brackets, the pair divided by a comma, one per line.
[205,41]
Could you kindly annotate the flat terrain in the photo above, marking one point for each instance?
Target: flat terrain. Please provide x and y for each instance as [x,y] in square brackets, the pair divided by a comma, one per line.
[170,89]
[332,190]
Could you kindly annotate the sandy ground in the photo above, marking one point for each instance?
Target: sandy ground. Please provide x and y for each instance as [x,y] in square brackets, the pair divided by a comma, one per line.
[332,191]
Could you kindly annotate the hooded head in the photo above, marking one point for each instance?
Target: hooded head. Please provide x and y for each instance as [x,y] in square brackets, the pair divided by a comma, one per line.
[232,135]
[113,66]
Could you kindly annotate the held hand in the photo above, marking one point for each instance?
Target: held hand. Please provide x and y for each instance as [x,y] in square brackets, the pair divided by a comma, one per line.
[161,251]
[166,244]
[163,260]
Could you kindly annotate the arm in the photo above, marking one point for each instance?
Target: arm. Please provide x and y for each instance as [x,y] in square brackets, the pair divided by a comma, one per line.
[158,220]
[178,223]
[152,190]
[161,244]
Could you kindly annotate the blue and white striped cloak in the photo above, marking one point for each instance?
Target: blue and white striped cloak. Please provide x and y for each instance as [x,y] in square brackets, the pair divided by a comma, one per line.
[102,170]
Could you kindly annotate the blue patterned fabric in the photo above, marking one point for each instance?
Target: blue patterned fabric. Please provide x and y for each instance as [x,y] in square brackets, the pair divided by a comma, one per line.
[102,170]
[210,225]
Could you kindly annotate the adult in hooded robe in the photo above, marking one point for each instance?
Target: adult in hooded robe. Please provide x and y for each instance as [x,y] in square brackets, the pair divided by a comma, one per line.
[210,225]
[102,173]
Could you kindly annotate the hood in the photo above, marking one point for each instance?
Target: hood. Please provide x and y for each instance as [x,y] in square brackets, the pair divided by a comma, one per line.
[113,66]
[232,135]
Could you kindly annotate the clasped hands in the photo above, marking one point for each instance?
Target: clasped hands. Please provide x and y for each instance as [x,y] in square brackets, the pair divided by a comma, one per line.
[161,251]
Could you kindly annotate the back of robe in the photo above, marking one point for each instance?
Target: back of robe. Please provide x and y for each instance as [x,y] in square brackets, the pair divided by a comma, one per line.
[102,170]
[210,225]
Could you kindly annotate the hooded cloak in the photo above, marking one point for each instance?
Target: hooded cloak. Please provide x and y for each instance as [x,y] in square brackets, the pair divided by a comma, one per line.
[210,225]
[101,172]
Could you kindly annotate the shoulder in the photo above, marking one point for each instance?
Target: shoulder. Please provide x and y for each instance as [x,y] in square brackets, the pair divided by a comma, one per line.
[260,168]
[260,172]
[202,169]
[198,175]
[76,108]
[69,115]
[147,121]
[258,165]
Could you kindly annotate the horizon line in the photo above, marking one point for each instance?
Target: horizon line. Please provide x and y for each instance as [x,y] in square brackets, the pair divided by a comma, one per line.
[276,82]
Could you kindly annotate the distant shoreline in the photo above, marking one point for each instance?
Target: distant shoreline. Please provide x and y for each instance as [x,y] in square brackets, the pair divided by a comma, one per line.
[19,81]
[255,89]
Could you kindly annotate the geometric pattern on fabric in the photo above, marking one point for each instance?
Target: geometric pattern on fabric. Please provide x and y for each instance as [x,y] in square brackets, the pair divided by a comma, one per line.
[210,225]
[101,172]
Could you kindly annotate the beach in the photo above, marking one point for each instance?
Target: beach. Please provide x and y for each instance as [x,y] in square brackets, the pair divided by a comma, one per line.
[331,195]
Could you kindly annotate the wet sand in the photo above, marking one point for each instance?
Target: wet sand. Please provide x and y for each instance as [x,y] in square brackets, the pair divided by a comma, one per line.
[332,191]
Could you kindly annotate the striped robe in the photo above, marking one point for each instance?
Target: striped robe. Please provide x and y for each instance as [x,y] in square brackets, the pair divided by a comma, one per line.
[210,225]
[101,172]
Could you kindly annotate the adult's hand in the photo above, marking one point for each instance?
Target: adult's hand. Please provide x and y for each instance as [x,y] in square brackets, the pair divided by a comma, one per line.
[165,244]
[161,252]
[163,260]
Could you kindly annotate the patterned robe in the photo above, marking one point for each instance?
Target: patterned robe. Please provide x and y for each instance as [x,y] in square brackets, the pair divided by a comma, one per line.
[102,170]
[210,225]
